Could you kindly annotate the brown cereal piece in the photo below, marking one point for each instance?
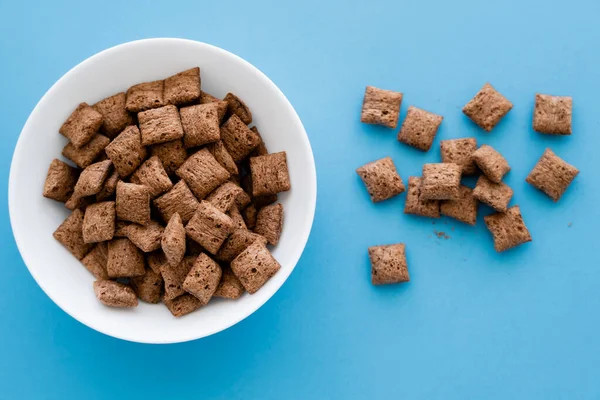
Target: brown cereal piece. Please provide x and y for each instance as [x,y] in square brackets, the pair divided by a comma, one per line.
[206,98]
[552,175]
[183,88]
[261,149]
[92,179]
[175,275]
[99,222]
[236,217]
[200,124]
[553,114]
[236,106]
[230,286]
[209,227]
[152,174]
[419,128]
[114,115]
[148,287]
[440,182]
[491,163]
[109,187]
[463,209]
[381,179]
[416,205]
[179,200]
[238,241]
[173,240]
[243,200]
[508,229]
[95,261]
[269,222]
[172,154]
[238,139]
[156,260]
[160,125]
[249,215]
[388,264]
[254,266]
[86,154]
[115,294]
[495,195]
[76,202]
[224,197]
[82,125]
[460,151]
[133,203]
[202,173]
[144,96]
[183,305]
[203,278]
[124,259]
[126,151]
[220,153]
[487,108]
[60,181]
[70,235]
[145,237]
[381,107]
[269,174]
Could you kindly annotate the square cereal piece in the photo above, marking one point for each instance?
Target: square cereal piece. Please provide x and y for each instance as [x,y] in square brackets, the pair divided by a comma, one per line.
[172,154]
[243,200]
[495,195]
[508,229]
[460,151]
[133,203]
[174,277]
[125,260]
[381,107]
[160,125]
[236,106]
[92,179]
[487,108]
[254,267]
[206,98]
[179,199]
[96,260]
[230,286]
[238,139]
[209,227]
[552,175]
[82,125]
[224,197]
[99,222]
[202,173]
[269,222]
[237,218]
[416,205]
[553,114]
[381,179]
[491,163]
[145,237]
[238,241]
[148,287]
[109,187]
[261,149]
[203,278]
[388,264]
[200,124]
[419,128]
[183,88]
[60,181]
[269,174]
[126,151]
[70,235]
[86,154]
[220,153]
[173,240]
[249,215]
[156,260]
[182,305]
[114,115]
[463,209]
[152,174]
[441,181]
[145,96]
[76,202]
[115,294]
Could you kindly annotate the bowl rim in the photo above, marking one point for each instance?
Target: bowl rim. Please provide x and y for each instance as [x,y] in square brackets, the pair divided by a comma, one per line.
[18,153]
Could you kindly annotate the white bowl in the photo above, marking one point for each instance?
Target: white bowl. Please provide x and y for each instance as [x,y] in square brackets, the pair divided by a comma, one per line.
[34,218]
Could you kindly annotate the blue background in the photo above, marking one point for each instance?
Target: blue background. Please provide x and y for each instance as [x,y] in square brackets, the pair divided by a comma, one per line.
[471,324]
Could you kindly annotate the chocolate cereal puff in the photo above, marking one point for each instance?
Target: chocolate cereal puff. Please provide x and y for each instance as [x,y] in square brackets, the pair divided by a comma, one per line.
[463,209]
[381,107]
[552,175]
[209,227]
[249,213]
[76,201]
[114,115]
[230,286]
[160,125]
[182,305]
[460,151]
[254,267]
[82,125]
[224,197]
[152,174]
[145,237]
[92,179]
[206,98]
[126,151]
[237,218]
[99,222]
[236,106]
[238,139]
[220,153]
[115,294]
[86,154]
[553,114]
[125,260]
[440,181]
[60,181]
[203,278]
[200,124]
[173,240]
[148,287]
[172,154]
[70,235]
[202,173]
[174,277]
[145,96]
[491,163]
[238,241]
[96,260]
[487,108]
[261,149]
[269,222]
[419,128]
[156,260]
[495,195]
[416,205]
[183,88]
[133,203]
[508,229]
[109,187]
[269,174]
[388,264]
[179,199]
[381,179]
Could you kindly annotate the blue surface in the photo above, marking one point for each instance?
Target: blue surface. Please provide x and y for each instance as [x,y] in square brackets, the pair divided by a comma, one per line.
[471,324]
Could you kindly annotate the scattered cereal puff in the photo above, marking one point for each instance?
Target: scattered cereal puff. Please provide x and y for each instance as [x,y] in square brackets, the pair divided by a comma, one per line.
[145,96]
[381,179]
[487,108]
[381,107]
[202,173]
[133,203]
[82,125]
[203,278]
[179,199]
[125,260]
[99,222]
[553,114]
[209,227]
[160,125]
[491,163]
[92,179]
[183,88]
[495,195]
[152,174]
[460,151]
[126,151]
[254,267]
[269,174]
[419,128]
[440,182]
[200,124]
[388,264]
[463,209]
[416,205]
[552,175]
[238,139]
[86,154]
[60,181]
[508,229]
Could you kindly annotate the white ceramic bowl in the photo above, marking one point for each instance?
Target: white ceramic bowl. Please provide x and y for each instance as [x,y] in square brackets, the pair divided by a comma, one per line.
[35,218]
